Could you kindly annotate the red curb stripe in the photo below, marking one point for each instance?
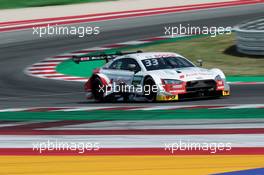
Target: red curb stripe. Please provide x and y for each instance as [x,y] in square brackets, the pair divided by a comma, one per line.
[110,13]
[203,107]
[43,73]
[46,109]
[236,3]
[115,45]
[47,61]
[56,76]
[153,39]
[75,79]
[120,108]
[43,65]
[133,152]
[63,56]
[36,69]
[85,51]
[135,132]
[50,124]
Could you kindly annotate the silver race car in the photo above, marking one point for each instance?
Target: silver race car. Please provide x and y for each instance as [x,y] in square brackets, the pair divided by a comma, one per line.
[151,76]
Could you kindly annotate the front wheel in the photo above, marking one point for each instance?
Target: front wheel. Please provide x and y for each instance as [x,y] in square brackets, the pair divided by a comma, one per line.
[98,90]
[149,92]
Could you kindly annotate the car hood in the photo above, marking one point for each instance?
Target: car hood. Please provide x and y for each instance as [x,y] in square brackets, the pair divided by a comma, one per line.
[185,74]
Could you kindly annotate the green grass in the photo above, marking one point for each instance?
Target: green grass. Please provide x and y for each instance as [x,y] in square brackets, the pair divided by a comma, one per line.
[8,4]
[216,52]
[136,115]
[84,69]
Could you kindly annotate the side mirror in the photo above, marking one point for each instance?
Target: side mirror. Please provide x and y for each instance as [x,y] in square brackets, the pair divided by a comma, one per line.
[200,62]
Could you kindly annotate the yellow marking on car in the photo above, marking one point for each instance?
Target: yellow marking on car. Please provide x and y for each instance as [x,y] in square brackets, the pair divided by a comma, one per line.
[225,93]
[167,98]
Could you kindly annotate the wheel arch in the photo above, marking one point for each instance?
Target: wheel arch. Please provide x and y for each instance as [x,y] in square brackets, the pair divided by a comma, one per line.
[219,72]
[89,84]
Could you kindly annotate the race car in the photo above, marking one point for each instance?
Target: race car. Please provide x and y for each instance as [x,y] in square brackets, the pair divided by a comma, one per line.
[151,76]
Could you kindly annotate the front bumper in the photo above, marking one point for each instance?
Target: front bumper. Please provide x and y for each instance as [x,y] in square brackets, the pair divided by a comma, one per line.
[192,95]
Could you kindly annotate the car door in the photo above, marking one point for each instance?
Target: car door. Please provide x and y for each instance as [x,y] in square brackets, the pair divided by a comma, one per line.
[119,72]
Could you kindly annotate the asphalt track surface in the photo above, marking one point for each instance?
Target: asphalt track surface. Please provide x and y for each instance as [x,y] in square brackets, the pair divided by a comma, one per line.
[19,49]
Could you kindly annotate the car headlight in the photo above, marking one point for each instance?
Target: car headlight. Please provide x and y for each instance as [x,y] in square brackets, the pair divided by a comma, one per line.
[218,78]
[169,81]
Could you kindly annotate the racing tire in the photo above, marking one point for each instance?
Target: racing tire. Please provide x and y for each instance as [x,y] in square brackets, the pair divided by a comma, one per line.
[97,90]
[148,90]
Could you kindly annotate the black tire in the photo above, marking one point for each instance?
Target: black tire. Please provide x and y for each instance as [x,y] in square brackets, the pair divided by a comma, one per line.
[97,91]
[148,87]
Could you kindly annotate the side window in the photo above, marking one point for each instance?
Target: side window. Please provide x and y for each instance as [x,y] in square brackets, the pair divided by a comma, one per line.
[129,61]
[123,64]
[116,64]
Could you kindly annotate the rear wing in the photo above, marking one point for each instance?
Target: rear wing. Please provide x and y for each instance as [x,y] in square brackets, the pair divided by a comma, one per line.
[101,56]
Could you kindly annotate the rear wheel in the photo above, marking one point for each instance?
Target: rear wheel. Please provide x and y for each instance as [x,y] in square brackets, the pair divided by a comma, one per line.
[148,89]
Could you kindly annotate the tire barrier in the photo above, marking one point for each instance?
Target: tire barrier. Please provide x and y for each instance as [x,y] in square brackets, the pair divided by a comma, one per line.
[250,37]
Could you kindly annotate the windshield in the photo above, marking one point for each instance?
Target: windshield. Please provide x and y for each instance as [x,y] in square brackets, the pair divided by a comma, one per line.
[166,63]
